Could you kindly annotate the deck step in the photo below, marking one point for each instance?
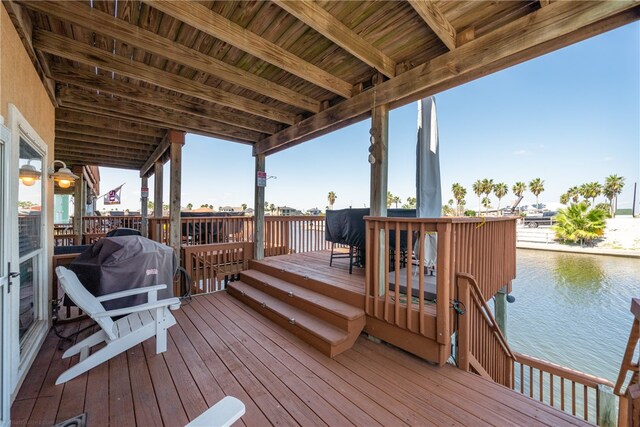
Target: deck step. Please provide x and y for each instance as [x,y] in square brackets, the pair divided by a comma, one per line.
[298,276]
[336,312]
[326,337]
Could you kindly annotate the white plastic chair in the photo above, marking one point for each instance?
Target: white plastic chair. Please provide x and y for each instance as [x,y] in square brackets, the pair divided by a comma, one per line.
[224,413]
[140,323]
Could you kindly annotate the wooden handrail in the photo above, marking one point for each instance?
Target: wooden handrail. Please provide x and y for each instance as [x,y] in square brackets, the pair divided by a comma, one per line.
[630,397]
[482,348]
[555,385]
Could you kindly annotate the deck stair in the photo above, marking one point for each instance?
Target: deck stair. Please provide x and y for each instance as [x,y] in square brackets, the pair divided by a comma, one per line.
[330,325]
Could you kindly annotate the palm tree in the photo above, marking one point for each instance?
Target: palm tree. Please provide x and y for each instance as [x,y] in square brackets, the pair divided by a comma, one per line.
[272,208]
[487,188]
[266,206]
[389,199]
[519,188]
[613,185]
[244,206]
[478,189]
[578,223]
[574,193]
[500,190]
[396,200]
[536,186]
[411,203]
[189,206]
[331,198]
[486,203]
[459,193]
[591,190]
[564,198]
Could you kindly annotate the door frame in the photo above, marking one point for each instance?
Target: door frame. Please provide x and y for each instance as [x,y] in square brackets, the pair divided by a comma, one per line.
[21,361]
[5,230]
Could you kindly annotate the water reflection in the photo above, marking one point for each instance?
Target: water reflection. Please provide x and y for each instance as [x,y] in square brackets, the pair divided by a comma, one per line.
[579,279]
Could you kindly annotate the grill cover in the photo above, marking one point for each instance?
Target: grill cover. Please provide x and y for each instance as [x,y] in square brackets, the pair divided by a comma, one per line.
[120,263]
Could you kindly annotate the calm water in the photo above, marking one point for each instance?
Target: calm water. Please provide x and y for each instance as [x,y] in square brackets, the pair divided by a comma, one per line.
[573,309]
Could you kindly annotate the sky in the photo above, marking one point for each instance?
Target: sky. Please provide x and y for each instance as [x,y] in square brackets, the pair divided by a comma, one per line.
[568,117]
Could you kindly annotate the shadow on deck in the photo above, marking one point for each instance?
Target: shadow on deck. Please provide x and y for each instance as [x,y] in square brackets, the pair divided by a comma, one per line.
[221,347]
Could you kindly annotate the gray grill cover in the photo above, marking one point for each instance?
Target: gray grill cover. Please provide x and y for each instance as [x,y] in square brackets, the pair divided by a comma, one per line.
[116,264]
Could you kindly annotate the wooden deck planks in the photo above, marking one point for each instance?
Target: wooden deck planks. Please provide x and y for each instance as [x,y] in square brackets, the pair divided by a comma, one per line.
[221,347]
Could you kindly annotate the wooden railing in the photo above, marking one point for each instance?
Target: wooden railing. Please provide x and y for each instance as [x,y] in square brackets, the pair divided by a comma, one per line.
[64,235]
[97,227]
[484,248]
[482,348]
[569,390]
[629,414]
[211,266]
[283,234]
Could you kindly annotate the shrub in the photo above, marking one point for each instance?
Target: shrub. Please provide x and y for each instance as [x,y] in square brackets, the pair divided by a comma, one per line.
[604,207]
[469,212]
[579,224]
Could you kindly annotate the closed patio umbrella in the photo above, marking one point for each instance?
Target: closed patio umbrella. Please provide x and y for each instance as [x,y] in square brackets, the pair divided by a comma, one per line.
[428,188]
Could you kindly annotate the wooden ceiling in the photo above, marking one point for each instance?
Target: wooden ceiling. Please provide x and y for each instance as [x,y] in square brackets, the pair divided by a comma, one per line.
[270,73]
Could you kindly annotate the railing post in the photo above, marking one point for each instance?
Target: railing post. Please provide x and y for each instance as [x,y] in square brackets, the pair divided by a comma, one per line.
[500,305]
[606,406]
[258,213]
[443,290]
[464,296]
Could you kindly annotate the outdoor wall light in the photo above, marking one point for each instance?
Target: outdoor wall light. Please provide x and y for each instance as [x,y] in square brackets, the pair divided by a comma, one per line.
[28,174]
[64,177]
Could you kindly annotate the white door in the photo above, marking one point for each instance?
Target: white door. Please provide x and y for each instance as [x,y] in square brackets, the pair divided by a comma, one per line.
[26,205]
[5,391]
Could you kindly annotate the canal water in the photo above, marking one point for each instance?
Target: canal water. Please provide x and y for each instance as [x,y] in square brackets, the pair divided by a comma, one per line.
[573,309]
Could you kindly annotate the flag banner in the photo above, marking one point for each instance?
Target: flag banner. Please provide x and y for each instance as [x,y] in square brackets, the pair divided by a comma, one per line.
[113,197]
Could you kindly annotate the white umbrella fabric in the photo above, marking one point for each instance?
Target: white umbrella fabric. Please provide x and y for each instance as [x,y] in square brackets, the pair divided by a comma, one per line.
[428,187]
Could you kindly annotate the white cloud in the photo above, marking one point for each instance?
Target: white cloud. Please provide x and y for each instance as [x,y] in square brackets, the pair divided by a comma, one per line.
[608,159]
[521,153]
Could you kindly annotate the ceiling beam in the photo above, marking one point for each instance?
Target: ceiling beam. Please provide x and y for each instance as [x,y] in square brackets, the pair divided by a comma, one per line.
[82,130]
[111,124]
[91,148]
[436,20]
[139,111]
[115,114]
[106,84]
[110,26]
[209,22]
[157,154]
[101,140]
[65,47]
[72,158]
[316,17]
[545,30]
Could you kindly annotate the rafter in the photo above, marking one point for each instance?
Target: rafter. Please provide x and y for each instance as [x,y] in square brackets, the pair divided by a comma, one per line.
[115,114]
[436,20]
[133,35]
[157,154]
[107,123]
[72,159]
[102,140]
[316,17]
[209,22]
[540,32]
[104,84]
[90,148]
[77,51]
[82,130]
[141,111]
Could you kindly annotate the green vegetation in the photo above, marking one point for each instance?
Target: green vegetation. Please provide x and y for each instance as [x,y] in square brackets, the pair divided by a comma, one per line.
[613,186]
[578,223]
[459,193]
[500,190]
[331,198]
[536,186]
[411,203]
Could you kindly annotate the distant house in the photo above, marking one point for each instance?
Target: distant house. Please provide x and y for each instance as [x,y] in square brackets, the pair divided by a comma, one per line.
[287,211]
[249,211]
[230,209]
[314,212]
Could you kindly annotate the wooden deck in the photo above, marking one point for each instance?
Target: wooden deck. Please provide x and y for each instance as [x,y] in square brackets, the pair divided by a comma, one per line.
[221,347]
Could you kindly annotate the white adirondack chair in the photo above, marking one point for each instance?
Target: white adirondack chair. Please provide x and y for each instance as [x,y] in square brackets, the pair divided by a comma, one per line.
[140,323]
[224,413]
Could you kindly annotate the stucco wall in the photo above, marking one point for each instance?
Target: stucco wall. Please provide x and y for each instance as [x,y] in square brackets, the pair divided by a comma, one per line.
[20,84]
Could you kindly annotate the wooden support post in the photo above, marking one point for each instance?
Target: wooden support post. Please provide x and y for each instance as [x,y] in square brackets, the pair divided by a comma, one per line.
[379,176]
[78,204]
[144,205]
[176,140]
[157,199]
[500,305]
[258,213]
[606,406]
